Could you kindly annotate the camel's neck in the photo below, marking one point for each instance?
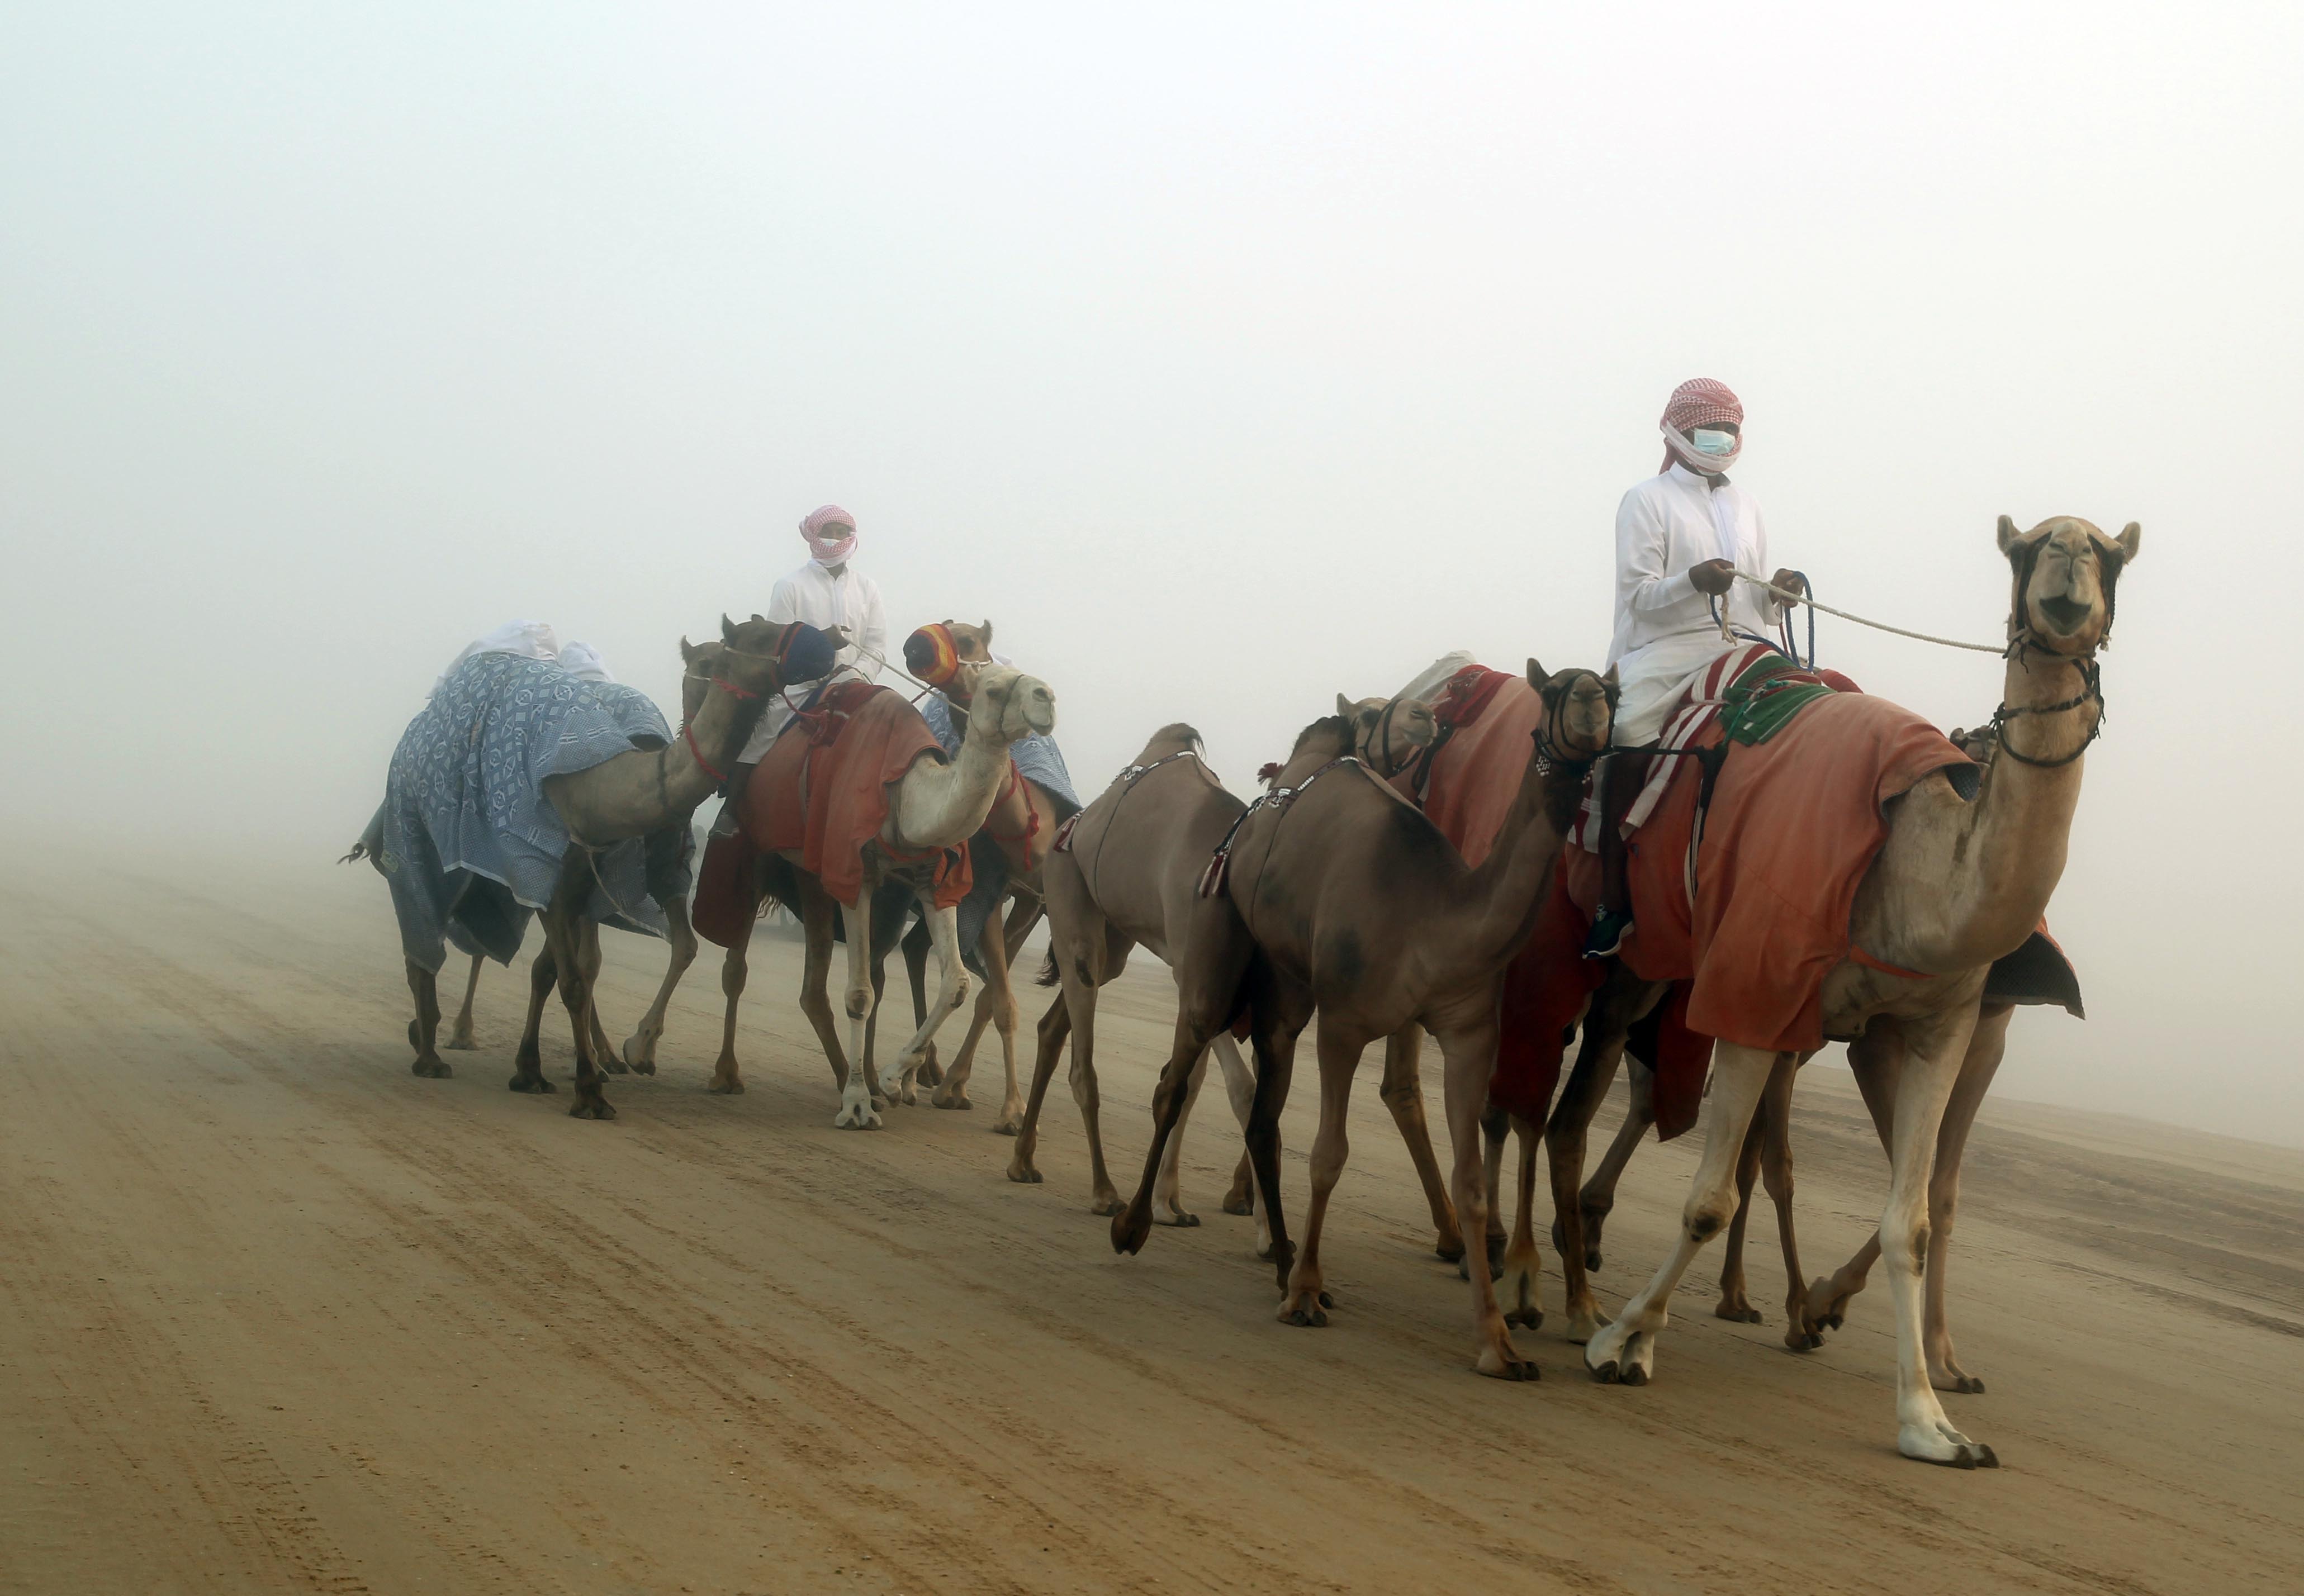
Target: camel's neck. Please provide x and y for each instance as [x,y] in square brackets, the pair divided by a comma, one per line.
[939,804]
[636,793]
[1499,899]
[1989,868]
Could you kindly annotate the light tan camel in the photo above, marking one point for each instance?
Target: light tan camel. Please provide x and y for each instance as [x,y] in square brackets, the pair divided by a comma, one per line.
[1129,878]
[935,805]
[1955,886]
[698,662]
[631,795]
[1354,905]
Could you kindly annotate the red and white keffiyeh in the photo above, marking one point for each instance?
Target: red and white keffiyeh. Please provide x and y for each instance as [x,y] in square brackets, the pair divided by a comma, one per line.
[831,535]
[1700,402]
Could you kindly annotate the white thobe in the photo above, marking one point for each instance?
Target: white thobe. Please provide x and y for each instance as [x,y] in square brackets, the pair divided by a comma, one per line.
[816,597]
[1665,630]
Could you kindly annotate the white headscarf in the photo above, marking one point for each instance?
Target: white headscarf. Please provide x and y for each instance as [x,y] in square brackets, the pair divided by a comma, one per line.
[583,661]
[532,640]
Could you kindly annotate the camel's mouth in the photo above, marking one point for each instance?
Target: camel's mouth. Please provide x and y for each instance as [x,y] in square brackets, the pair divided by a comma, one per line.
[2063,614]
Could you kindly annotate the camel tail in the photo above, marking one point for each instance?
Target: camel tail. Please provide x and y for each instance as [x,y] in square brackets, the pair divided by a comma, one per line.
[1048,975]
[359,851]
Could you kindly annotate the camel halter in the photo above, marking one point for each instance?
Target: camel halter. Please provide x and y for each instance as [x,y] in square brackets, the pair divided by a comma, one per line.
[1278,800]
[1126,782]
[1379,744]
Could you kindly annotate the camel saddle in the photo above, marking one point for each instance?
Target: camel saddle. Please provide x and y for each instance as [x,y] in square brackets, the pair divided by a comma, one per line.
[822,793]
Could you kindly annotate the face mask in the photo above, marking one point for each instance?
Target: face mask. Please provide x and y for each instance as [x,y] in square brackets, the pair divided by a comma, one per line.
[1709,441]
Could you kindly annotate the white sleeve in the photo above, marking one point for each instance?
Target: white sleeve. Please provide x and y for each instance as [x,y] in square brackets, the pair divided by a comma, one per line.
[875,629]
[1643,551]
[1772,608]
[784,603]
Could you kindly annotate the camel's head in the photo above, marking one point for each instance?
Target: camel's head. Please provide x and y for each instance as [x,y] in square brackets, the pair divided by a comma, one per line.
[760,655]
[2067,578]
[1388,733]
[1005,704]
[935,654]
[1580,713]
[700,664]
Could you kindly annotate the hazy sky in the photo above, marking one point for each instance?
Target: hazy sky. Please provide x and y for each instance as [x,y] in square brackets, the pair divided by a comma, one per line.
[1225,356]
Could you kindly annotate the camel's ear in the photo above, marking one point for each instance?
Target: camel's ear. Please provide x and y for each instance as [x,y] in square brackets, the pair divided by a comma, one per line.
[988,637]
[728,630]
[1537,675]
[2131,539]
[687,650]
[2007,534]
[1344,706]
[1609,680]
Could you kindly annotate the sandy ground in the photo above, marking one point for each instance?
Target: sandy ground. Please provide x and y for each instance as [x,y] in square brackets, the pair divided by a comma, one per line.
[275,1314]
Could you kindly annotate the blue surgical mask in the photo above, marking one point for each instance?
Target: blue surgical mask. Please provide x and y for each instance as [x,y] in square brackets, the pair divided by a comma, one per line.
[1710,441]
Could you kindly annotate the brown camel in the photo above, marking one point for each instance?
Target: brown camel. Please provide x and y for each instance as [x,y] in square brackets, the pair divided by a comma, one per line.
[631,795]
[1957,885]
[1130,876]
[934,805]
[1349,902]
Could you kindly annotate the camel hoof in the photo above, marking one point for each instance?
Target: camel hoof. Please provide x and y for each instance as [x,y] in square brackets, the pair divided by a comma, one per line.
[1965,1385]
[1449,1249]
[959,1102]
[1180,1220]
[612,1064]
[1107,1203]
[1507,1365]
[1464,1268]
[1531,1317]
[432,1069]
[726,1088]
[1306,1310]
[1009,1125]
[592,1108]
[530,1083]
[1129,1230]
[642,1066]
[1607,1373]
[462,1045]
[1023,1174]
[856,1119]
[1240,1205]
[1738,1313]
[1798,1339]
[1635,1374]
[931,1073]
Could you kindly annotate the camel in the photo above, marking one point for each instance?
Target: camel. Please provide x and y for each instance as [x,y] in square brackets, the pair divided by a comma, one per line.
[1138,886]
[1346,900]
[633,794]
[934,805]
[1956,885]
[698,662]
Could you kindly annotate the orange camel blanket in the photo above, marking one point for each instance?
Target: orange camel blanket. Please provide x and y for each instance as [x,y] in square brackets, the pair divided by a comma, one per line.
[822,793]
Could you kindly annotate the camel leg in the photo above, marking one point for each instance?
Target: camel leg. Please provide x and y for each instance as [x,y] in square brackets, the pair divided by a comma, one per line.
[916,946]
[603,1054]
[564,934]
[1274,1042]
[735,969]
[1776,1175]
[996,1005]
[639,1048]
[460,1036]
[1403,1094]
[1004,1011]
[856,1111]
[1986,1047]
[1306,1302]
[1167,1192]
[1625,1350]
[1734,1304]
[1240,1089]
[1935,1047]
[952,990]
[528,1064]
[1469,1058]
[1054,1026]
[1597,1200]
[1877,1060]
[1523,1278]
[425,987]
[1596,1059]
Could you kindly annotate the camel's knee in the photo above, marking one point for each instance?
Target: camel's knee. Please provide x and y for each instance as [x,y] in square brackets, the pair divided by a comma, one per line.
[1709,1213]
[858,1002]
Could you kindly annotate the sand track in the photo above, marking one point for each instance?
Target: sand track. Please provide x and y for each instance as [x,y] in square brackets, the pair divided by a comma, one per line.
[275,1314]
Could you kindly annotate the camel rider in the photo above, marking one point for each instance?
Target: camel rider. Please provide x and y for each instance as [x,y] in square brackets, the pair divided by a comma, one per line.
[828,590]
[1681,537]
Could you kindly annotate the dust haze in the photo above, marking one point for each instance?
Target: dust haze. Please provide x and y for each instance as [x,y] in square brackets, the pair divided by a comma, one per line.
[1226,360]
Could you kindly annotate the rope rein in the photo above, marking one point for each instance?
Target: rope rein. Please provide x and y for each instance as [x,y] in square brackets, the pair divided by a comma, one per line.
[1782,596]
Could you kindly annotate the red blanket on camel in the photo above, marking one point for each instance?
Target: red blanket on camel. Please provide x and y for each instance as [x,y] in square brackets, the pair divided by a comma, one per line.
[822,793]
